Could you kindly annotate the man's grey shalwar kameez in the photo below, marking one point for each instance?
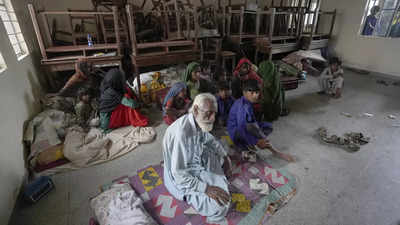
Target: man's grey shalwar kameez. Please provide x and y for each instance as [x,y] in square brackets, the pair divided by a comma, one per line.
[193,159]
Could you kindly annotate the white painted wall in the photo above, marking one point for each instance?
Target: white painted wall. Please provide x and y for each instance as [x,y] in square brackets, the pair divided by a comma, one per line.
[19,87]
[370,53]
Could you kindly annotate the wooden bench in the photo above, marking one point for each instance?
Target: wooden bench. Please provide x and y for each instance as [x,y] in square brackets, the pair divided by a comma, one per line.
[162,52]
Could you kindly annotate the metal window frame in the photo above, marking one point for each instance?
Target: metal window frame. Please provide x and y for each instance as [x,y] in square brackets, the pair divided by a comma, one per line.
[21,44]
[3,65]
[393,16]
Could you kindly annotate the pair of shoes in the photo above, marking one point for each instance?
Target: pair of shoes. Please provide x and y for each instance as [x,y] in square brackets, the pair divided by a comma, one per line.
[321,92]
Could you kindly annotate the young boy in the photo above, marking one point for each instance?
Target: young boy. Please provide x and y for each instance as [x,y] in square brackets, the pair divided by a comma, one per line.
[370,21]
[225,102]
[243,128]
[331,80]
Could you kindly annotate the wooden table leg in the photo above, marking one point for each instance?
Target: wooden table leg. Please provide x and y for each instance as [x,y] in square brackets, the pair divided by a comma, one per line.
[233,63]
[137,74]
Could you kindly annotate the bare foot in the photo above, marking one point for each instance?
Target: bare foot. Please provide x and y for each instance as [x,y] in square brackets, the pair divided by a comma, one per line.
[286,157]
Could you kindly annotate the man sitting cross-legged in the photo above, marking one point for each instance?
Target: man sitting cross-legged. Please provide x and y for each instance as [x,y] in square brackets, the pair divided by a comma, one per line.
[243,128]
[195,162]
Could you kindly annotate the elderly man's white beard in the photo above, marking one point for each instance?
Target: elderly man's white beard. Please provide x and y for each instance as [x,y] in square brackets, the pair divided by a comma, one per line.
[205,125]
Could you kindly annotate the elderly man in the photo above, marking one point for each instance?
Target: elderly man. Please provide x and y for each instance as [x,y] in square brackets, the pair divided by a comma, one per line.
[195,162]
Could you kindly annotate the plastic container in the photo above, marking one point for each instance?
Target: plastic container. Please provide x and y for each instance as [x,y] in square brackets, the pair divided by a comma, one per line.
[89,40]
[37,189]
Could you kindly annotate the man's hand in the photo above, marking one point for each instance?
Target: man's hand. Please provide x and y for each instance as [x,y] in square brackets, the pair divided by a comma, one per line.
[263,144]
[218,194]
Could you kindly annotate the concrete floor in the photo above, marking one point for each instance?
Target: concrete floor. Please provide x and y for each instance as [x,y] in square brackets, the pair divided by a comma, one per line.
[335,186]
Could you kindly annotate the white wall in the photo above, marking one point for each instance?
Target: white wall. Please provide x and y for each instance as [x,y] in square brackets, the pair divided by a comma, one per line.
[19,87]
[374,54]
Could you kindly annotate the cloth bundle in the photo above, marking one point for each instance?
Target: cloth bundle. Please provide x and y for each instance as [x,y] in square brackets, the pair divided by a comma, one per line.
[120,206]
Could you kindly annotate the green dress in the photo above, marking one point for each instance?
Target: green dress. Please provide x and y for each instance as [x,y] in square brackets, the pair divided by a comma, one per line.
[273,95]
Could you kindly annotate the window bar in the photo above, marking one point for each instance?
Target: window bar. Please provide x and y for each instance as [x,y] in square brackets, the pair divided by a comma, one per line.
[391,21]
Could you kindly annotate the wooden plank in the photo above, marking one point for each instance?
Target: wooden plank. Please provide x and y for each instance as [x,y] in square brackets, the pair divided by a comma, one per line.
[47,30]
[315,35]
[215,17]
[116,28]
[241,22]
[165,60]
[287,18]
[292,29]
[283,38]
[332,23]
[166,28]
[164,53]
[72,29]
[164,44]
[258,22]
[243,36]
[187,18]
[103,28]
[70,65]
[309,5]
[37,30]
[178,18]
[315,18]
[132,29]
[229,21]
[74,13]
[223,33]
[299,19]
[81,35]
[303,15]
[196,27]
[137,75]
[283,13]
[271,27]
[282,48]
[74,48]
[317,44]
[76,57]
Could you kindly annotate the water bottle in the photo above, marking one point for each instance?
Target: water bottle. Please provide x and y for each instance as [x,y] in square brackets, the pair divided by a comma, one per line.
[89,40]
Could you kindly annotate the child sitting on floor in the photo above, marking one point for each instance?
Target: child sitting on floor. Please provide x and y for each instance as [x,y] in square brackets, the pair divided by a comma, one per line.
[176,103]
[225,102]
[331,80]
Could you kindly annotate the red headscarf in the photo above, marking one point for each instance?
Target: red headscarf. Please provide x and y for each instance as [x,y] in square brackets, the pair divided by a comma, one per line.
[251,75]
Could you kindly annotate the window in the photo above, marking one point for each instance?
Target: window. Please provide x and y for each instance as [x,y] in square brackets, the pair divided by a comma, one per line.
[13,30]
[3,65]
[381,19]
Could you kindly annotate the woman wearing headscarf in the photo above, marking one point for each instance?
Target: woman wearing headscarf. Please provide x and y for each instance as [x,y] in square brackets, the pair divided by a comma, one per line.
[195,83]
[118,107]
[244,71]
[273,100]
[175,103]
